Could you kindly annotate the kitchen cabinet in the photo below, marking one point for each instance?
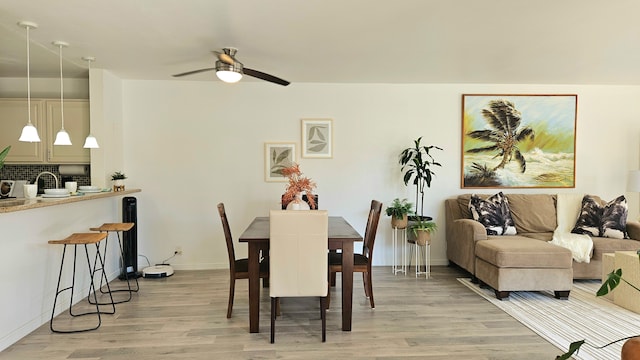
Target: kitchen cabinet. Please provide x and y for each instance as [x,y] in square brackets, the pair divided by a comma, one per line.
[46,116]
[13,117]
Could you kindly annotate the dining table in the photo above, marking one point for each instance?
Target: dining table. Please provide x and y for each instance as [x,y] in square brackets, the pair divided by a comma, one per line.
[341,237]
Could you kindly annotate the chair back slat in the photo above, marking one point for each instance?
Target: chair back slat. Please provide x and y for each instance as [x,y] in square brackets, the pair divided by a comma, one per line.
[371,229]
[227,236]
[298,253]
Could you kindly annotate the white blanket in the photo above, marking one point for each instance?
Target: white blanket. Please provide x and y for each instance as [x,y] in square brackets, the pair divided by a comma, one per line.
[567,212]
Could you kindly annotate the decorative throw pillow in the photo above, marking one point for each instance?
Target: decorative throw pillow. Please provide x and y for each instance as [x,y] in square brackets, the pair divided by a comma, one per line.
[493,213]
[609,220]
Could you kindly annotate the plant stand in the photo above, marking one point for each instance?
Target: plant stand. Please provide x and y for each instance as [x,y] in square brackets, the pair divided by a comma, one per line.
[399,235]
[426,258]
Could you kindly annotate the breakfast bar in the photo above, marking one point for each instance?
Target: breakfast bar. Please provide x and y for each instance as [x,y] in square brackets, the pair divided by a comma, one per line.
[30,263]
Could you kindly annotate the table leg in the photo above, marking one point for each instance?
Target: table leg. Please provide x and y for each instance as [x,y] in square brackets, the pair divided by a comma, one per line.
[347,285]
[254,287]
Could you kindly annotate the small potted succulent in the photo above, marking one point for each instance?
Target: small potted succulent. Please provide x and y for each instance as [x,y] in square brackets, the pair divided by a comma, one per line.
[118,180]
[399,212]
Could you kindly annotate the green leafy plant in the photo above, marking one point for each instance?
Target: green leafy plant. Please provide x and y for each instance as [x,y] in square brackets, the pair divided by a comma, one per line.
[423,225]
[399,208]
[3,155]
[118,176]
[614,279]
[416,164]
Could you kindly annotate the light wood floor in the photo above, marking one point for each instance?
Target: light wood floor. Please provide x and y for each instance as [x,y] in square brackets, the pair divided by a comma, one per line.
[184,317]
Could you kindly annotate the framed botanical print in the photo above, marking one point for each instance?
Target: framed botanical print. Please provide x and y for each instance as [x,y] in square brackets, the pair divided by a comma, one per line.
[277,156]
[518,141]
[317,138]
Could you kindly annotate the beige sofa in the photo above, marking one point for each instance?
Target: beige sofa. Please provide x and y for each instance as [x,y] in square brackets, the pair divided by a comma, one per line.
[516,262]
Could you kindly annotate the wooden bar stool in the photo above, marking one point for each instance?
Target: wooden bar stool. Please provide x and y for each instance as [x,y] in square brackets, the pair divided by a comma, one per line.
[107,228]
[75,240]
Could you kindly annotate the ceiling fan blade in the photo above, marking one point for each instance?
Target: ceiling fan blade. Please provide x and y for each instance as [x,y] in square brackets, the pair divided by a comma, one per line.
[193,72]
[225,57]
[264,76]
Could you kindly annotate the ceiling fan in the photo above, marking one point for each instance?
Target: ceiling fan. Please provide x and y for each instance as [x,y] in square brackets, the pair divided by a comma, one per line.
[228,69]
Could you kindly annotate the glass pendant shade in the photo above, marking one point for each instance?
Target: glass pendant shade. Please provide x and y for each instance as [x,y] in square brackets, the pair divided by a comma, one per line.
[29,132]
[91,142]
[62,138]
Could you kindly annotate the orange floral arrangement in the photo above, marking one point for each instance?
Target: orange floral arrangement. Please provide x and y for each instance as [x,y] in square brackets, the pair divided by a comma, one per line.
[298,184]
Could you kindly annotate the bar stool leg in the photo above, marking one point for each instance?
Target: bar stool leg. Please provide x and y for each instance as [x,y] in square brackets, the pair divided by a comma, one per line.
[103,277]
[126,272]
[59,291]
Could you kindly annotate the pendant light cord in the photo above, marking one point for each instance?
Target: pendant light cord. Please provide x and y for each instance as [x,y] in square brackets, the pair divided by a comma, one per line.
[61,90]
[28,79]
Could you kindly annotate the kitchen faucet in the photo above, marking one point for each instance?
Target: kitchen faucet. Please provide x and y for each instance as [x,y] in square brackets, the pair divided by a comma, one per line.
[50,173]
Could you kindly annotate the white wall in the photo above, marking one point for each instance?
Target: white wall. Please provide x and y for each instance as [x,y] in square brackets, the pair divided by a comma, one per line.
[190,145]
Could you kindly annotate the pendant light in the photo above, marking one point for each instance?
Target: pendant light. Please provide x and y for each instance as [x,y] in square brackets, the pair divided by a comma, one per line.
[62,138]
[90,142]
[29,132]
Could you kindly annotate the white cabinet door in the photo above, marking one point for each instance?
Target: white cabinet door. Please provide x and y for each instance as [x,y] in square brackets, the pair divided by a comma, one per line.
[76,122]
[13,117]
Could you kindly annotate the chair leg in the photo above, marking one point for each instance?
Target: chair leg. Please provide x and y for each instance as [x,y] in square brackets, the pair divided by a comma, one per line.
[273,319]
[369,286]
[232,289]
[329,291]
[323,316]
[332,279]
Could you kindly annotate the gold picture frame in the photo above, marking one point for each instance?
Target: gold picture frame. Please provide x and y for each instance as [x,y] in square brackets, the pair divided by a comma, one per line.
[518,141]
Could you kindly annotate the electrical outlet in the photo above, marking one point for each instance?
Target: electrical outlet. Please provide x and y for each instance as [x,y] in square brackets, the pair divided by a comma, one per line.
[178,250]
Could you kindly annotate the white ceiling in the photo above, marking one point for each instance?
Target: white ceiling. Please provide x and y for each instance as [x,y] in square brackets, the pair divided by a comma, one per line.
[334,41]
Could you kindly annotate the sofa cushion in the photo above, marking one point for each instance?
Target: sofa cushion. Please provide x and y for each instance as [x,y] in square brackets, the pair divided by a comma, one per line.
[533,213]
[603,220]
[521,252]
[493,213]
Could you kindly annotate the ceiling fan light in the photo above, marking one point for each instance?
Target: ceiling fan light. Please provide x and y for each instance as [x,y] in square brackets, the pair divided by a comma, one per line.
[29,134]
[229,76]
[91,142]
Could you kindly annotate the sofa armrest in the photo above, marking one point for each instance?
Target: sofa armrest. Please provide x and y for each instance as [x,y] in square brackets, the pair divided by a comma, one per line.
[633,229]
[461,242]
[471,229]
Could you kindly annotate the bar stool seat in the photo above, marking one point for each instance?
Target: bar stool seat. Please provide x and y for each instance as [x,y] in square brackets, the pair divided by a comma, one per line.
[107,228]
[75,240]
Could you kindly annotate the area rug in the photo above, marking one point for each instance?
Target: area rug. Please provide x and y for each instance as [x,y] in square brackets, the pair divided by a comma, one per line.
[582,317]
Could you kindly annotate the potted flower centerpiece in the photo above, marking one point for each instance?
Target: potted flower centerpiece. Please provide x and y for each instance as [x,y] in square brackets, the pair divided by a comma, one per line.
[118,180]
[399,212]
[297,186]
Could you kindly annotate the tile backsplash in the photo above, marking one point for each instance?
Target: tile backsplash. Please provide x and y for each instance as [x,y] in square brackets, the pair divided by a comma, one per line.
[29,172]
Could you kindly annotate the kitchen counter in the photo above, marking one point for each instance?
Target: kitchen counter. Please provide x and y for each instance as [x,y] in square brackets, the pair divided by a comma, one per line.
[19,204]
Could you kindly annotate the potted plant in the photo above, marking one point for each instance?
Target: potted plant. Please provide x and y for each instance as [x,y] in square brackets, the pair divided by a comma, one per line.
[118,180]
[298,184]
[416,163]
[422,230]
[399,212]
[631,347]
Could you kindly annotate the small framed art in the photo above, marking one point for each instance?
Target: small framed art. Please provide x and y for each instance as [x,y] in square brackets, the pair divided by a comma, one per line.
[317,138]
[277,156]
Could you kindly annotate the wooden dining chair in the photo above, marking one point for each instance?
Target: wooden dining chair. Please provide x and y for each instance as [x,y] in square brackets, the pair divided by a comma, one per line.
[361,262]
[238,268]
[298,248]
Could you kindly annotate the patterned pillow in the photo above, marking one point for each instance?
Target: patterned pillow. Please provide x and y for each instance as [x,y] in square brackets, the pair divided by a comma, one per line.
[609,220]
[493,213]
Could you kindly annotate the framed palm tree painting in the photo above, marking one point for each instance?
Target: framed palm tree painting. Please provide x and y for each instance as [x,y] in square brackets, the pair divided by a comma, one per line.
[518,141]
